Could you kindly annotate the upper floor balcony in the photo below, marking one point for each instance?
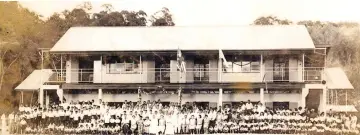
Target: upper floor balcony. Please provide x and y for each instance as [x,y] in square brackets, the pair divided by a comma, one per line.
[167,74]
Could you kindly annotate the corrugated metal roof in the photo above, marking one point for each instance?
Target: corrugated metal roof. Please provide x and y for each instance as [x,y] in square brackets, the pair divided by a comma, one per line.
[35,80]
[337,79]
[286,37]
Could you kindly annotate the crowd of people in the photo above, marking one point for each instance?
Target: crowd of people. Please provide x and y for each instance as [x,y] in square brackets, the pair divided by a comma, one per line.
[90,117]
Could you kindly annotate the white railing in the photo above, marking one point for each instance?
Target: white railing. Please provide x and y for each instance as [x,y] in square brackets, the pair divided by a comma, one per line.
[79,75]
[201,75]
[293,74]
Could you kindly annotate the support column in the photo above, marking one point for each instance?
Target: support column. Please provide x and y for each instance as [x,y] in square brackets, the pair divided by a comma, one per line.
[324,93]
[60,93]
[304,93]
[22,97]
[262,101]
[100,95]
[180,95]
[303,67]
[41,97]
[220,97]
[261,68]
[61,68]
[47,99]
[3,124]
[139,95]
[220,70]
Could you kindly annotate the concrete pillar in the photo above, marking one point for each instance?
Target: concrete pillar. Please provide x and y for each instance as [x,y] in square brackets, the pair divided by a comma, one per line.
[220,97]
[100,95]
[3,124]
[22,97]
[262,101]
[220,69]
[262,69]
[304,93]
[60,93]
[324,93]
[47,99]
[41,97]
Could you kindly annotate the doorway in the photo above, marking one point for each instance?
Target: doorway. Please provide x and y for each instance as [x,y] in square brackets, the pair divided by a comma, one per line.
[201,69]
[162,69]
[281,105]
[86,69]
[313,99]
[281,69]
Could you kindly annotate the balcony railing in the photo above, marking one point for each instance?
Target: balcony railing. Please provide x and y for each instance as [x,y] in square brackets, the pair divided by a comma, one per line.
[293,74]
[314,74]
[199,75]
[75,75]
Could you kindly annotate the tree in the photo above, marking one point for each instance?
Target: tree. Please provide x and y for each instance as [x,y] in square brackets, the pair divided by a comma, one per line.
[344,38]
[271,20]
[162,18]
[20,36]
[22,32]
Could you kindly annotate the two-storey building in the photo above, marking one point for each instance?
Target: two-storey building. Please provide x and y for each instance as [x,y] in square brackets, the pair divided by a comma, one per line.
[276,65]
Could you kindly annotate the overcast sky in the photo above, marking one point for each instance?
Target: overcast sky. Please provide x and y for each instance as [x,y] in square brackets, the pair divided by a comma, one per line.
[220,12]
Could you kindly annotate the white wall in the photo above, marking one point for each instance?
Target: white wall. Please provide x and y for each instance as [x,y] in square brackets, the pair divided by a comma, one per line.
[101,75]
[241,77]
[187,97]
[148,76]
[72,76]
[295,73]
[80,97]
[268,63]
[190,74]
[213,74]
[150,73]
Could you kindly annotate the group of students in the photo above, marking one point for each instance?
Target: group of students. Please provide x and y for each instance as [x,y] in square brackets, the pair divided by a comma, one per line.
[154,118]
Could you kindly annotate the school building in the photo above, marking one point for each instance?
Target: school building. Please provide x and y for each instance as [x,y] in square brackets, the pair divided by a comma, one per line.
[277,65]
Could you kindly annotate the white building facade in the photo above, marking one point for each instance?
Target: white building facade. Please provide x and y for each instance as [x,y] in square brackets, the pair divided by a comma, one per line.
[276,65]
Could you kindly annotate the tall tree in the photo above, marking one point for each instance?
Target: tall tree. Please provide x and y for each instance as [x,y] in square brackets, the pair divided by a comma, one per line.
[344,38]
[20,36]
[162,18]
[22,33]
[271,20]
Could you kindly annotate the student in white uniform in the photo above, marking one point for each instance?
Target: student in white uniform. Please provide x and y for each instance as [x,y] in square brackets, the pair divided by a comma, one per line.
[133,124]
[147,123]
[154,122]
[199,123]
[192,124]
[170,124]
[162,124]
[206,124]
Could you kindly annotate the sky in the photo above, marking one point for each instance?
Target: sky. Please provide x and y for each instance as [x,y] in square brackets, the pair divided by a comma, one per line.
[219,12]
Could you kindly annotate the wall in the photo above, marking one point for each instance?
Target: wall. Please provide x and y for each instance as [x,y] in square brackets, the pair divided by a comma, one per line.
[268,72]
[80,97]
[72,76]
[295,73]
[187,97]
[213,74]
[150,73]
[175,75]
[241,77]
[189,74]
[101,75]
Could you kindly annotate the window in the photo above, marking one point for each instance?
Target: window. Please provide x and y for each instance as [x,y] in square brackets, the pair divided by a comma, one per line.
[122,65]
[242,63]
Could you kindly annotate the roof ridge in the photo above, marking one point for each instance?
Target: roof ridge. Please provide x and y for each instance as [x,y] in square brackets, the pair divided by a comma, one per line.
[205,26]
